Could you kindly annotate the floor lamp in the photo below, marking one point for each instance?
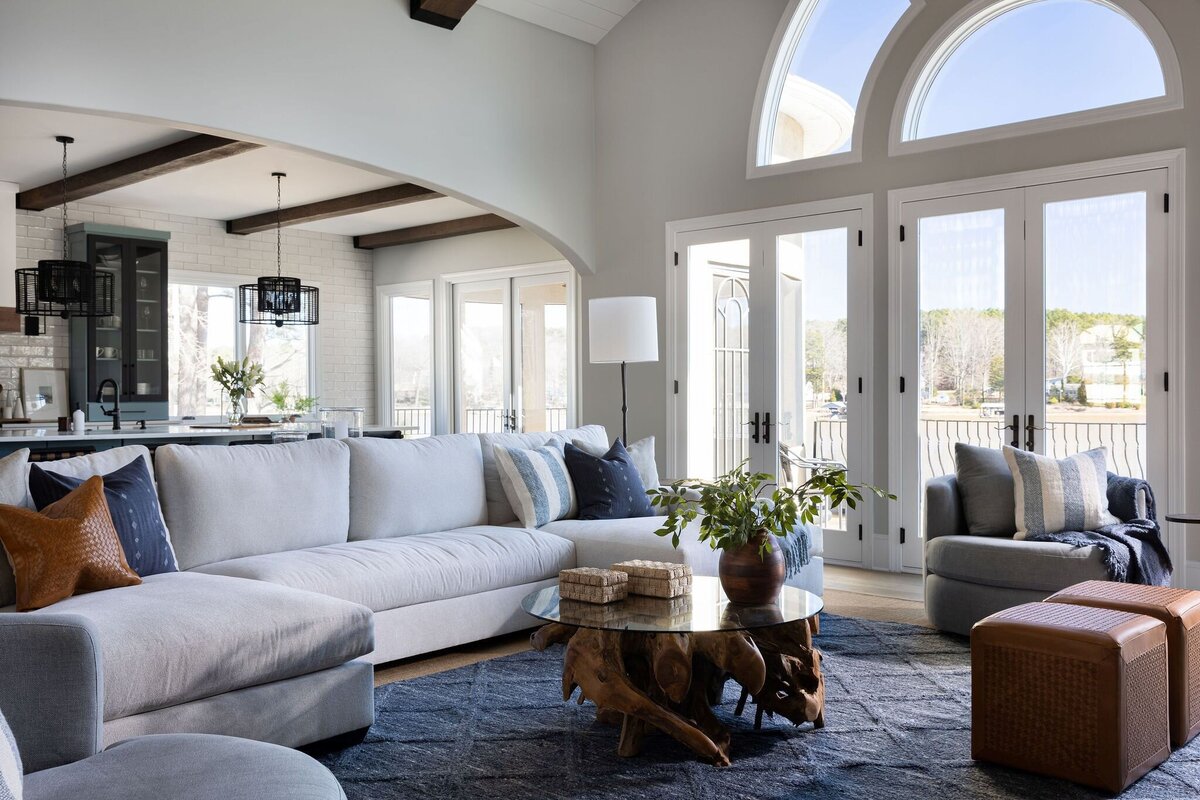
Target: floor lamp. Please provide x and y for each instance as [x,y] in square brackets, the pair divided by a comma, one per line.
[622,330]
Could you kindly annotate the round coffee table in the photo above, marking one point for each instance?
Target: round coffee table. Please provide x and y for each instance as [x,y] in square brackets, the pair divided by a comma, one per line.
[663,663]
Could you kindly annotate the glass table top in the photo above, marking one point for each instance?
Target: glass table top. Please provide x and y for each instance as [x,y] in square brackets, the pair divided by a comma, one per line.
[705,608]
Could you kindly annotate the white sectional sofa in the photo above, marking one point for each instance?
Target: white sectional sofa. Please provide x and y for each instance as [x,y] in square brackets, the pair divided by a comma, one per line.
[303,564]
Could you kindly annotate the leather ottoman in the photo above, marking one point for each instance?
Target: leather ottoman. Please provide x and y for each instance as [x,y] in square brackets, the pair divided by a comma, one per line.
[1072,692]
[1179,610]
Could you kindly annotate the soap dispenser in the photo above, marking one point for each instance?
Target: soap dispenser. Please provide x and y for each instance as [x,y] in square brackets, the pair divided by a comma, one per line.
[77,419]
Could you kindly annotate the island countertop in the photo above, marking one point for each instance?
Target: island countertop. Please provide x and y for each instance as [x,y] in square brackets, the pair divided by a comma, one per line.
[50,438]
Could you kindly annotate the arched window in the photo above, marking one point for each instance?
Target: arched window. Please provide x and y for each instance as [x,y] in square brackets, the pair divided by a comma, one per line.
[811,93]
[1015,61]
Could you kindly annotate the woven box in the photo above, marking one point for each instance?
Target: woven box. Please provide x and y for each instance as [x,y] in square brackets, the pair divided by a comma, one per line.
[1070,691]
[1179,610]
[656,578]
[668,612]
[592,585]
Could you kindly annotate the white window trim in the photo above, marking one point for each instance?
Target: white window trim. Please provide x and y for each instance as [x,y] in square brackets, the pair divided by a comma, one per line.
[384,340]
[1174,161]
[979,13]
[444,336]
[770,89]
[225,279]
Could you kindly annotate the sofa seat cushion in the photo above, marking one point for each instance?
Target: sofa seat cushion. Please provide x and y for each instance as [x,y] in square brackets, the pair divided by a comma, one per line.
[188,765]
[185,636]
[383,574]
[604,542]
[1011,564]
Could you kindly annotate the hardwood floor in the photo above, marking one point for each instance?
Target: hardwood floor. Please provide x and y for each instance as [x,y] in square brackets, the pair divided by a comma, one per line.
[885,596]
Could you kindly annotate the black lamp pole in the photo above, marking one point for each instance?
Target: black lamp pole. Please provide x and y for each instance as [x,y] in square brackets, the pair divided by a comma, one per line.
[624,410]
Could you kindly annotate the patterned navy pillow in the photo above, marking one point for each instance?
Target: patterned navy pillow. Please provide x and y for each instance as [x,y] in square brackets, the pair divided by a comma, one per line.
[607,486]
[133,504]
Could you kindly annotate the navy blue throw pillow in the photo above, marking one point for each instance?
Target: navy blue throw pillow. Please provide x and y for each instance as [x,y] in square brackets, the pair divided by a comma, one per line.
[607,486]
[133,505]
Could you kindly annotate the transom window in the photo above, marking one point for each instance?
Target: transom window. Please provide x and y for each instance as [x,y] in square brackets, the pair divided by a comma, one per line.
[818,77]
[1022,60]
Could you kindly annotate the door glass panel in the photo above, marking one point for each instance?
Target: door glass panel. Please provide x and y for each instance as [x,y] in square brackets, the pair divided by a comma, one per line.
[813,371]
[147,360]
[109,342]
[1095,273]
[961,335]
[412,362]
[718,343]
[203,324]
[479,362]
[544,352]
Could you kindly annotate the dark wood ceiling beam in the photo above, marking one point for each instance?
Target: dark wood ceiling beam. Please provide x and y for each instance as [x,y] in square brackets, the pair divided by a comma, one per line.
[389,196]
[436,230]
[442,13]
[190,152]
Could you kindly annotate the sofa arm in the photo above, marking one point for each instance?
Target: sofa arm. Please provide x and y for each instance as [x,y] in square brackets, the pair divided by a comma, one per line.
[52,687]
[943,508]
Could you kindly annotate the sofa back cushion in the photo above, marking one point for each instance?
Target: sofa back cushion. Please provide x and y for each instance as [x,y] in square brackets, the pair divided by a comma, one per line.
[499,509]
[229,502]
[400,487]
[986,485]
[14,491]
[11,772]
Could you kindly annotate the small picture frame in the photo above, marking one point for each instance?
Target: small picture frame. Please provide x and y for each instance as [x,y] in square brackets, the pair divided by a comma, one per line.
[44,394]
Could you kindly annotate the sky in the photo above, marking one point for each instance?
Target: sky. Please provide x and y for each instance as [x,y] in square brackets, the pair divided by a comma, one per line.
[1030,62]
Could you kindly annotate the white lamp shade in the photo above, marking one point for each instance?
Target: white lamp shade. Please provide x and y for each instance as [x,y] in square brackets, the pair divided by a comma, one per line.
[622,329]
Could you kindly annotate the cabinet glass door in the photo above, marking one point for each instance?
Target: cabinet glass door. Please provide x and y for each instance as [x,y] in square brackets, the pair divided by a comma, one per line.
[145,357]
[106,348]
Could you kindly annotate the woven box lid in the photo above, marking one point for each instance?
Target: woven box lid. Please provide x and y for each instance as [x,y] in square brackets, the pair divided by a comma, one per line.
[658,570]
[592,576]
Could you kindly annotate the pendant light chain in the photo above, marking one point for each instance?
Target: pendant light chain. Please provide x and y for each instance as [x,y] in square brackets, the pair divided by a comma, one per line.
[64,200]
[278,225]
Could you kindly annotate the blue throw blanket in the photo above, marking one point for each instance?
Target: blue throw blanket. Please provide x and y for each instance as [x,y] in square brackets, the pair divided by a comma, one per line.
[1132,550]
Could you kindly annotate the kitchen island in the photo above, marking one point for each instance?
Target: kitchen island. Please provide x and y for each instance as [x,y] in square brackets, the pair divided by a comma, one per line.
[48,442]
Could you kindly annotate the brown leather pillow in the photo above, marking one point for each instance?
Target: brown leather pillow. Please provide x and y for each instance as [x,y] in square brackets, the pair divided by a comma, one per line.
[71,547]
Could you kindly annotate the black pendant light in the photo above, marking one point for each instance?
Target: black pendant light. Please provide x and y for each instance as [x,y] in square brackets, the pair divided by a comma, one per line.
[62,287]
[275,299]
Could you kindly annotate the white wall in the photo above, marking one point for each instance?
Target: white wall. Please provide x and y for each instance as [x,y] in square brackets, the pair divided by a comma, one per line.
[498,111]
[345,337]
[675,88]
[429,260]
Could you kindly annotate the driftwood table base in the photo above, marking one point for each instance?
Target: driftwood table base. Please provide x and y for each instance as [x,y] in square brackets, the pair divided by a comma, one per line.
[670,681]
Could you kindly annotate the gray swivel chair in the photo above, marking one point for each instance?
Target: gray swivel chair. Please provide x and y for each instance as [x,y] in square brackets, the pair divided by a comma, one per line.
[52,695]
[969,577]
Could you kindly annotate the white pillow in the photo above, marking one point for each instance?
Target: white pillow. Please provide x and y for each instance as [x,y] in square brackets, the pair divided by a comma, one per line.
[537,484]
[11,772]
[14,491]
[1055,495]
[641,451]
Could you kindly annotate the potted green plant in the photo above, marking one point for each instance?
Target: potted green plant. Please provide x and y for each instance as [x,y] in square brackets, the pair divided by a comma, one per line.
[280,397]
[305,404]
[739,518]
[239,379]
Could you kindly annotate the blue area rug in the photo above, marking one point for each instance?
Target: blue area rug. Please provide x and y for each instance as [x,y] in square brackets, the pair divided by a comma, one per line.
[897,716]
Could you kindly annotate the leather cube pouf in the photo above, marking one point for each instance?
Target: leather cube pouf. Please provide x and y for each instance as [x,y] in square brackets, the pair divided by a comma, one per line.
[1179,610]
[1072,692]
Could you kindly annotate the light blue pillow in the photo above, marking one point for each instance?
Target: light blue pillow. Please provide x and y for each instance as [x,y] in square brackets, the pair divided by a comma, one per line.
[1053,495]
[11,771]
[536,483]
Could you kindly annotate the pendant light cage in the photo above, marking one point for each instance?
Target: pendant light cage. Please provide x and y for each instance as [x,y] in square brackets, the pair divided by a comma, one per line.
[62,287]
[277,299]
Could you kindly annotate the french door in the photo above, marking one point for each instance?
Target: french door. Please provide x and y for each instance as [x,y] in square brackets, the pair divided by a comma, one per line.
[772,322]
[513,354]
[1036,318]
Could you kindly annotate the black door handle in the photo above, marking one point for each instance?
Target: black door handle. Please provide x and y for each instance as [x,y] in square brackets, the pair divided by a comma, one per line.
[754,428]
[767,427]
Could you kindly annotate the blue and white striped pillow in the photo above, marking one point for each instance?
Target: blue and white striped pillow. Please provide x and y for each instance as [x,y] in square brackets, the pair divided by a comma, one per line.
[537,484]
[10,764]
[1055,495]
